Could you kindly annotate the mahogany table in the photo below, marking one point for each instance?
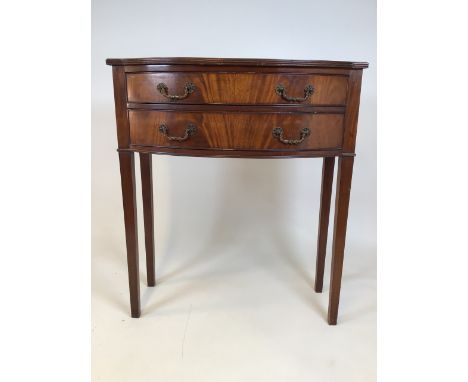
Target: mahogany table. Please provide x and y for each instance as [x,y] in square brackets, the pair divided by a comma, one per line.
[242,108]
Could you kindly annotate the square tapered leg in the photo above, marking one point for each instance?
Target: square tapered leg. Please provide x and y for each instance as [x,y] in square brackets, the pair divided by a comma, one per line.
[325,202]
[146,168]
[343,188]
[127,174]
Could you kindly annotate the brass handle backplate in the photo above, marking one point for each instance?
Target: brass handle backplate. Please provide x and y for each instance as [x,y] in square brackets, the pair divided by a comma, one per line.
[279,133]
[189,88]
[189,131]
[281,91]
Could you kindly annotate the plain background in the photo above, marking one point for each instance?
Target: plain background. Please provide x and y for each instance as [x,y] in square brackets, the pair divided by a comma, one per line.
[45,196]
[235,238]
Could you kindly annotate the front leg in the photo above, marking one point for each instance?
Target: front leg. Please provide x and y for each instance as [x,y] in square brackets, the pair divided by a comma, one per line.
[343,188]
[127,174]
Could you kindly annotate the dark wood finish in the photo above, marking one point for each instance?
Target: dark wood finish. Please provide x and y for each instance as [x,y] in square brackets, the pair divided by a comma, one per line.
[325,202]
[120,98]
[146,168]
[251,62]
[239,108]
[230,153]
[352,111]
[236,69]
[236,88]
[232,113]
[127,174]
[343,189]
[243,131]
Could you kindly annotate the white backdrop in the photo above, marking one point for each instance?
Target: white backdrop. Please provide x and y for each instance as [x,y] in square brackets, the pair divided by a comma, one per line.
[335,30]
[205,204]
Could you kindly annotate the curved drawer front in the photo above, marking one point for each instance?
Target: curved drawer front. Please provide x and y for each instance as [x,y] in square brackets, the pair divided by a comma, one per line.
[236,131]
[237,88]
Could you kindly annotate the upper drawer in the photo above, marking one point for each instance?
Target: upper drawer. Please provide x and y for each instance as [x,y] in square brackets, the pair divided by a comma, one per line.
[236,88]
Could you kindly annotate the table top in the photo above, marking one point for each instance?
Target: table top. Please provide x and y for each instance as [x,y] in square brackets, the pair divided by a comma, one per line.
[236,62]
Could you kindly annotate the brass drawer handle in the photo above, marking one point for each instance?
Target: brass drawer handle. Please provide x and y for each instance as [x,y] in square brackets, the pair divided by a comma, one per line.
[281,91]
[278,133]
[189,131]
[189,88]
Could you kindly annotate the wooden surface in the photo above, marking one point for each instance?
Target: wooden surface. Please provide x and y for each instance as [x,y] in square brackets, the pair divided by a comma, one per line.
[253,62]
[146,169]
[127,172]
[120,98]
[237,88]
[352,111]
[325,202]
[343,189]
[218,153]
[244,131]
[234,109]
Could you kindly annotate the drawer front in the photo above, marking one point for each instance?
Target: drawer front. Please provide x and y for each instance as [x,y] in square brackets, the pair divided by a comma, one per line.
[236,131]
[237,88]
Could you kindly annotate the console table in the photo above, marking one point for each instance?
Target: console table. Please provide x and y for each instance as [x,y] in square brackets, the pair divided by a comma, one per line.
[242,108]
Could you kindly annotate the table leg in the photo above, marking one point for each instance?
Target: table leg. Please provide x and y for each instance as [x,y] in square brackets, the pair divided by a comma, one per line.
[127,174]
[325,201]
[343,188]
[148,214]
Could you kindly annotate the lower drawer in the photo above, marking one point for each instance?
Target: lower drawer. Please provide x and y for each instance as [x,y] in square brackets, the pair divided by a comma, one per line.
[236,130]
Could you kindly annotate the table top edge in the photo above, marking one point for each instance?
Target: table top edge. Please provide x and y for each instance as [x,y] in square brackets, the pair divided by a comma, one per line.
[235,62]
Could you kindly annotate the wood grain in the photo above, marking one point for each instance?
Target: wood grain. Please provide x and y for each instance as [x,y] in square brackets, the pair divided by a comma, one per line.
[237,88]
[120,99]
[243,131]
[352,111]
